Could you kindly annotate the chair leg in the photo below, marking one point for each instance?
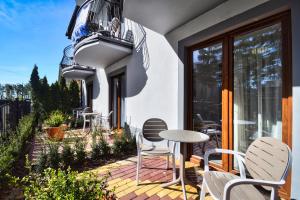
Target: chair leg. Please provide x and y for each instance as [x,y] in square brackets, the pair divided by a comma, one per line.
[168,161]
[203,190]
[140,161]
[138,168]
[84,124]
[174,167]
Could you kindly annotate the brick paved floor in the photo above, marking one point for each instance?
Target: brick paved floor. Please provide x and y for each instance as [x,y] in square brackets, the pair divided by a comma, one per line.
[153,174]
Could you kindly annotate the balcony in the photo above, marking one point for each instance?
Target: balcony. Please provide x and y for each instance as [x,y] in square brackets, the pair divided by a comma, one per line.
[100,35]
[72,70]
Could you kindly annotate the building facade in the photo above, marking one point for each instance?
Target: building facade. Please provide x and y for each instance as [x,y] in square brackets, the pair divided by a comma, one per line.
[232,62]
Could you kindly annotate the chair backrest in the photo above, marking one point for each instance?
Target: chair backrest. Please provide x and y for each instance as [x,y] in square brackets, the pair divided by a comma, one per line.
[268,159]
[152,127]
[110,113]
[87,110]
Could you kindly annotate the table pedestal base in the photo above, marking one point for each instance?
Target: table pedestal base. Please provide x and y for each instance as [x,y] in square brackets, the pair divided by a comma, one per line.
[181,179]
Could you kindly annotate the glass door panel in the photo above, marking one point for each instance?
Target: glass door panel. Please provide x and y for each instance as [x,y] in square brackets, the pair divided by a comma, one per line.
[207,96]
[257,86]
[118,91]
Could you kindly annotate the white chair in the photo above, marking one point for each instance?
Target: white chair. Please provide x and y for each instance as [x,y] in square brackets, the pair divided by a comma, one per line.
[267,160]
[151,129]
[86,119]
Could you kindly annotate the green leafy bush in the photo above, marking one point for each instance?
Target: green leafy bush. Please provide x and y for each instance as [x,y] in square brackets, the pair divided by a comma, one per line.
[42,161]
[105,148]
[55,119]
[96,151]
[80,151]
[101,150]
[123,145]
[54,157]
[59,184]
[67,155]
[12,149]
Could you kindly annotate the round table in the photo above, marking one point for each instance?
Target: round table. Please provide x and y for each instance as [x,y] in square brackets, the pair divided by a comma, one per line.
[183,137]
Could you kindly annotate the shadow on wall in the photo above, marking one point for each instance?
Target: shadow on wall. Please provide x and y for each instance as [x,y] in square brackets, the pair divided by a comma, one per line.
[96,87]
[137,67]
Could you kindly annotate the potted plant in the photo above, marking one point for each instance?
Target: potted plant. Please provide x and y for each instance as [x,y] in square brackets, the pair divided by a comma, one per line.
[56,126]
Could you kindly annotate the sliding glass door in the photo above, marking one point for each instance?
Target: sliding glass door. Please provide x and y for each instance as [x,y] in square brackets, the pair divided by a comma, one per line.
[239,88]
[257,84]
[207,96]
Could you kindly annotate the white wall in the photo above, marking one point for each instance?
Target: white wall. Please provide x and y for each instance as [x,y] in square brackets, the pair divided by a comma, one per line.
[152,83]
[100,92]
[295,11]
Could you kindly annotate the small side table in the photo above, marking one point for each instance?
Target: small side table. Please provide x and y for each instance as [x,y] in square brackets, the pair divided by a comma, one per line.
[183,137]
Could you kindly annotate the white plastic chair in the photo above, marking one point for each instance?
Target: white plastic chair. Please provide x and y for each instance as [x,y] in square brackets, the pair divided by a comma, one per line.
[267,160]
[151,129]
[86,119]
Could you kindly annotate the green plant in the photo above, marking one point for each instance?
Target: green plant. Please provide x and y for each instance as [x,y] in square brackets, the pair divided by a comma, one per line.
[55,119]
[96,151]
[104,148]
[42,161]
[101,149]
[80,151]
[124,144]
[12,149]
[67,155]
[59,184]
[54,157]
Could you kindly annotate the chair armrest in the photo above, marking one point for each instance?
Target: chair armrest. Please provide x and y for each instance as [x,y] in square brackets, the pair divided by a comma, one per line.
[235,182]
[238,155]
[139,140]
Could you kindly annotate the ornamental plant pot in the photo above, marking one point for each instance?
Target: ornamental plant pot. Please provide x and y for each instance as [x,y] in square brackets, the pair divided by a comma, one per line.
[56,133]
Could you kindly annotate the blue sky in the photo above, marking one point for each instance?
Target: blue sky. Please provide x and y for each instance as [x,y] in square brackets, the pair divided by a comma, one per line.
[32,32]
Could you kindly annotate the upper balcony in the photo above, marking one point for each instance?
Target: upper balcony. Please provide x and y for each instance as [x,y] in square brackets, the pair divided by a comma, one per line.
[69,69]
[100,35]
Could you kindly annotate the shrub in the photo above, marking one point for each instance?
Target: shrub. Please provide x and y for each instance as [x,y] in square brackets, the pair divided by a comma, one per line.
[96,151]
[12,149]
[124,145]
[67,156]
[80,151]
[101,150]
[55,119]
[42,161]
[54,157]
[104,148]
[59,184]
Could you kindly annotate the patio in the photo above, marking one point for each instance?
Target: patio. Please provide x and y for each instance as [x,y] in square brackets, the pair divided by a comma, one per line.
[123,174]
[153,174]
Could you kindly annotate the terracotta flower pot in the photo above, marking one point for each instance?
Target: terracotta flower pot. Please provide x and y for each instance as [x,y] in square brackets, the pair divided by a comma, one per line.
[56,133]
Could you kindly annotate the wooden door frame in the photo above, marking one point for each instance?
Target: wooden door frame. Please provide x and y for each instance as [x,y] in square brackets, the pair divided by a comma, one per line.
[119,105]
[90,93]
[227,88]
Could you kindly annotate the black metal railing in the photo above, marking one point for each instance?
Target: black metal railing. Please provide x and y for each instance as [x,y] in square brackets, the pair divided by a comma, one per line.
[67,59]
[11,111]
[102,17]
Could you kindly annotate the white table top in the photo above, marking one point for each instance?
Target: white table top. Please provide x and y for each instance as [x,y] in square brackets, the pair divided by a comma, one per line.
[185,136]
[93,113]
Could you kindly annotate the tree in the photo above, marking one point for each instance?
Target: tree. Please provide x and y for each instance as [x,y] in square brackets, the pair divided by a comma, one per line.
[74,94]
[45,94]
[36,96]
[2,91]
[35,83]
[9,91]
[64,96]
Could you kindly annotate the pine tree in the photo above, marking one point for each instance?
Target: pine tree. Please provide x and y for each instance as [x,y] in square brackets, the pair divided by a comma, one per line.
[74,94]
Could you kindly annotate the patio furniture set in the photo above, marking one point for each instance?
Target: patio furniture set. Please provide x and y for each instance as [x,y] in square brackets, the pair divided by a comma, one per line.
[267,162]
[92,118]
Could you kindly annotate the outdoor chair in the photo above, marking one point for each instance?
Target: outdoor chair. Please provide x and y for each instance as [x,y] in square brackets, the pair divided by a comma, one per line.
[151,129]
[104,122]
[86,119]
[267,161]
